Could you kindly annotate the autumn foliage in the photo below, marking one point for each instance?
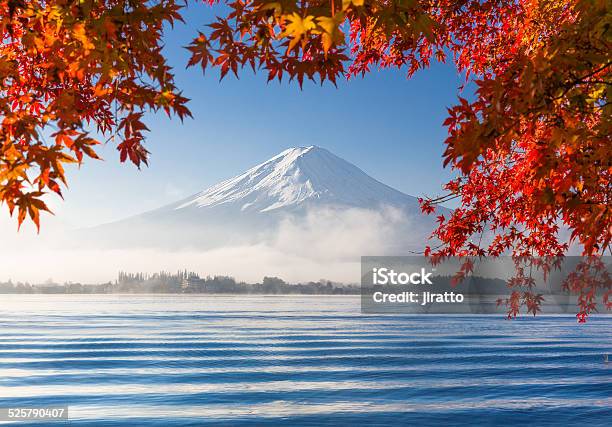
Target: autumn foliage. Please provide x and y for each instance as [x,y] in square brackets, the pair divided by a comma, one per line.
[531,147]
[70,70]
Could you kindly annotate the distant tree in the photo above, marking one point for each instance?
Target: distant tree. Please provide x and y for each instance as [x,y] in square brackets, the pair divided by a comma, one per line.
[273,285]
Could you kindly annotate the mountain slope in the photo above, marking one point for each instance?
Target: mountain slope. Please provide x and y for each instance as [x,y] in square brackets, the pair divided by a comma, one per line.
[298,184]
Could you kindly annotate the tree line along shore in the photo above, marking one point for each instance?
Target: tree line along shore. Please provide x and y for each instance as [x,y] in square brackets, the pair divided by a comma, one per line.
[181,282]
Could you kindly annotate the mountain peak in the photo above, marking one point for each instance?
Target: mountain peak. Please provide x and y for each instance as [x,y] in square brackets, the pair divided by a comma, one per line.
[296,176]
[294,153]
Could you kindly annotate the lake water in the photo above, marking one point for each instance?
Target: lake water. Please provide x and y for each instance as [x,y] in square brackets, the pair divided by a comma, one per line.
[301,360]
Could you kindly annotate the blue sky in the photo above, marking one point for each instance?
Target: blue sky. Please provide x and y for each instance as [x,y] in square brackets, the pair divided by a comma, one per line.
[387,125]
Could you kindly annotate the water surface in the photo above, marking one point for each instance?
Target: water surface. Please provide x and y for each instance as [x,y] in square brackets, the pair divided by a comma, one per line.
[302,360]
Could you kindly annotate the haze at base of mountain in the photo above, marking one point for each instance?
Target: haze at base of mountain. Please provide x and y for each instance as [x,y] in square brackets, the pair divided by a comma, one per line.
[324,244]
[376,229]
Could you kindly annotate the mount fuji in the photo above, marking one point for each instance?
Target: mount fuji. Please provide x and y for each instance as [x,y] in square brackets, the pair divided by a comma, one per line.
[291,186]
[295,178]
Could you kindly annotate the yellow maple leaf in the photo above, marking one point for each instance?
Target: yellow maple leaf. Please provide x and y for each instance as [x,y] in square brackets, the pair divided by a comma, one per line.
[296,27]
[331,33]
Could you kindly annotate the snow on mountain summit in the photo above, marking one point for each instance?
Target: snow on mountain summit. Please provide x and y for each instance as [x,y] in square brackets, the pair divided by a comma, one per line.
[297,176]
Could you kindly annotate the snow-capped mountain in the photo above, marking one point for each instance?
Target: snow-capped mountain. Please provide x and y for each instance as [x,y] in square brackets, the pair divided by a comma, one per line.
[249,207]
[295,177]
